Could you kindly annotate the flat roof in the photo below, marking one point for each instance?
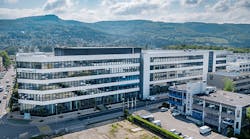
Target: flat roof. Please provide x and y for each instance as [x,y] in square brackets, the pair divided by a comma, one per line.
[227,98]
[181,87]
[230,74]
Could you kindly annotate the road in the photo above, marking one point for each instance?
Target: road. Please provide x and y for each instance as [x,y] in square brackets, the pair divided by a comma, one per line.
[12,130]
[4,102]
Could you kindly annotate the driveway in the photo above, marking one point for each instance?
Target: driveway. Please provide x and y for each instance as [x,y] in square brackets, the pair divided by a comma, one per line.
[183,125]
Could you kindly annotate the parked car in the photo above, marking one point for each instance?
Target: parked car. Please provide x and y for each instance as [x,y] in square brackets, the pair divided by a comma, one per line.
[176,113]
[5,96]
[228,121]
[163,109]
[205,130]
[172,130]
[177,133]
[157,122]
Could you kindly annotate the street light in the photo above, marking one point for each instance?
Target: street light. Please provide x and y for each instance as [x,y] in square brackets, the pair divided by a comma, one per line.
[56,114]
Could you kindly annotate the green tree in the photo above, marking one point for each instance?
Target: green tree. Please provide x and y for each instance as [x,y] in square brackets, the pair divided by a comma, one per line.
[248,114]
[228,85]
[6,59]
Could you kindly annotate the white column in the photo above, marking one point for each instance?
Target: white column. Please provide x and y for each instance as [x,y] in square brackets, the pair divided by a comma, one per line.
[146,75]
[238,117]
[203,111]
[220,110]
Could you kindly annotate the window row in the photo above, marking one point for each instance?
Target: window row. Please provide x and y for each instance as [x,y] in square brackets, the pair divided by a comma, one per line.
[65,64]
[52,86]
[49,97]
[175,74]
[169,66]
[57,75]
[175,58]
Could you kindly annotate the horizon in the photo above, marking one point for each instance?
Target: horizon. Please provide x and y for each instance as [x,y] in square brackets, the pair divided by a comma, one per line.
[168,11]
[123,20]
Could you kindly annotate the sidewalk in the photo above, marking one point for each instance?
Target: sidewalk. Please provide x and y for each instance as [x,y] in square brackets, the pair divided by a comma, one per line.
[35,120]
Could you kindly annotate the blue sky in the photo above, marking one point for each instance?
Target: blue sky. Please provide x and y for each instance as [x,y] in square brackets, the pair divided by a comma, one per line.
[213,11]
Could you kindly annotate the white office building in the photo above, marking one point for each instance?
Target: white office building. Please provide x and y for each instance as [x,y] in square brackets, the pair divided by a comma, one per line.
[163,68]
[218,60]
[73,79]
[238,62]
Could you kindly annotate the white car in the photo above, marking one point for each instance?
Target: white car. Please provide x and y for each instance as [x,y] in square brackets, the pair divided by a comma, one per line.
[172,130]
[163,109]
[204,130]
[176,113]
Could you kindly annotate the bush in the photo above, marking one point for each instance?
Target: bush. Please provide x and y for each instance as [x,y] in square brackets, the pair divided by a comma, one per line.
[144,123]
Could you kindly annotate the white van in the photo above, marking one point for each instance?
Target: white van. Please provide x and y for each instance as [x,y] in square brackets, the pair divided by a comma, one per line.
[205,130]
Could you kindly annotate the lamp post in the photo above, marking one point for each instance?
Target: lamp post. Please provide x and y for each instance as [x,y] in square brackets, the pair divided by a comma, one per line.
[56,114]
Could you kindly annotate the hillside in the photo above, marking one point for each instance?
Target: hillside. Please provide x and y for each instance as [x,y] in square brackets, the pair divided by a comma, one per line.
[49,31]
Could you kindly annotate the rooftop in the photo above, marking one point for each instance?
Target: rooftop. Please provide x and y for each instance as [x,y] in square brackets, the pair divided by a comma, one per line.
[230,74]
[171,51]
[228,98]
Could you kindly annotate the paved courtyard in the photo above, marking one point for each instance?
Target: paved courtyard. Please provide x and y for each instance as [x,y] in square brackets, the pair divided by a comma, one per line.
[182,125]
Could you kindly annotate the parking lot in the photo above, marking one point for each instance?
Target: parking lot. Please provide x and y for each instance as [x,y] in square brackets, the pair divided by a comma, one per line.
[186,127]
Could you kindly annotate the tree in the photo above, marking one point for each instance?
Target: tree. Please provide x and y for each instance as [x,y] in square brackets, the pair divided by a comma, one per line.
[228,85]
[6,59]
[248,113]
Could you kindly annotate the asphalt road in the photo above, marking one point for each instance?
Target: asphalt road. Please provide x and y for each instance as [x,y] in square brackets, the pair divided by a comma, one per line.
[13,130]
[4,102]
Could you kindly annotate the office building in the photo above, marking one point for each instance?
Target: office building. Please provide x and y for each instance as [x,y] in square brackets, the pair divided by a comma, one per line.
[240,81]
[217,60]
[219,109]
[163,68]
[73,79]
[222,110]
[238,62]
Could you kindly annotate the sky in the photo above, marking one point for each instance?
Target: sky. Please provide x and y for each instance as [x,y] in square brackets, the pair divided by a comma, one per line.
[210,11]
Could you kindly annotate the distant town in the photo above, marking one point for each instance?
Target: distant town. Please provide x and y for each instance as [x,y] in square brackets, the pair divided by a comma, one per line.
[127,91]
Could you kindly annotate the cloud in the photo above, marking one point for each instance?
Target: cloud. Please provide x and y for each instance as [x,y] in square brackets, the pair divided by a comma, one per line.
[222,6]
[243,4]
[10,1]
[58,6]
[7,13]
[133,8]
[218,11]
[191,2]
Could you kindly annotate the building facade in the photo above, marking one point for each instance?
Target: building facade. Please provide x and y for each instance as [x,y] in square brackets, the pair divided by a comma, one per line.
[219,109]
[73,79]
[238,62]
[218,60]
[163,68]
[222,110]
[240,81]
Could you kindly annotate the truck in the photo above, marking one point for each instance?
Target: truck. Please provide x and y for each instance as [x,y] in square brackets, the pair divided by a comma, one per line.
[205,130]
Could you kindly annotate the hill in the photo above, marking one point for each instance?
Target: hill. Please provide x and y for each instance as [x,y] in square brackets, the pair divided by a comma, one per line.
[49,31]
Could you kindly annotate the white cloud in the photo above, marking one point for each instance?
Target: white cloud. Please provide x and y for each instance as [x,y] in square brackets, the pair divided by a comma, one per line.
[220,11]
[59,6]
[7,13]
[10,1]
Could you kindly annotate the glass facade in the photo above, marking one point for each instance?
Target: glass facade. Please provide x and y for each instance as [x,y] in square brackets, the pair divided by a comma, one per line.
[67,74]
[97,85]
[70,64]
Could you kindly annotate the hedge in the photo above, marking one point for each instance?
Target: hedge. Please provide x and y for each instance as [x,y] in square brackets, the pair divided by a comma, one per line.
[144,123]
